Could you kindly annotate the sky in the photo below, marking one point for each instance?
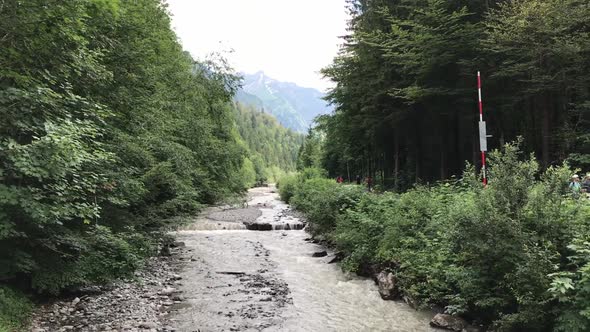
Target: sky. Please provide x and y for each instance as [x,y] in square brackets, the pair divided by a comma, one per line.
[290,40]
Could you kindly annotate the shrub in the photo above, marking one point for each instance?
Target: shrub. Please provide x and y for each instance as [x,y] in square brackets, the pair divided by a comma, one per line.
[502,255]
[323,200]
[572,288]
[106,256]
[15,308]
[287,186]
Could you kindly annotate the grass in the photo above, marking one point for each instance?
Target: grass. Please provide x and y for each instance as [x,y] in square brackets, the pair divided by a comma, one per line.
[15,310]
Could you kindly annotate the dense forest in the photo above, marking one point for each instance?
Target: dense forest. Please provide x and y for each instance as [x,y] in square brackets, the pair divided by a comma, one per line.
[108,130]
[406,85]
[511,256]
[273,148]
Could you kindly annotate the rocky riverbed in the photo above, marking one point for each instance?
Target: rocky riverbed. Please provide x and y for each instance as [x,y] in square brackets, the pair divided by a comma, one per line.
[141,304]
[222,277]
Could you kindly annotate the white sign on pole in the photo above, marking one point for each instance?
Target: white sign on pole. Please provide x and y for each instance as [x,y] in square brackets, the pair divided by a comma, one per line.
[483,142]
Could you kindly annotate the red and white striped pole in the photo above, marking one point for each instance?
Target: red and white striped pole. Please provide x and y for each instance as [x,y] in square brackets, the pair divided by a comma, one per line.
[482,132]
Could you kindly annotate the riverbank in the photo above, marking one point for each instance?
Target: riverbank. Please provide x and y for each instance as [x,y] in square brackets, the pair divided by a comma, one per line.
[509,256]
[227,278]
[278,281]
[139,304]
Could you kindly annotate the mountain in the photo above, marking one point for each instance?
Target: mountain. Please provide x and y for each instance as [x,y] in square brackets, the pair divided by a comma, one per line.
[294,107]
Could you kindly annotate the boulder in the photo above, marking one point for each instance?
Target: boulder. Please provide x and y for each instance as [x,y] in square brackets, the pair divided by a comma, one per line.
[165,251]
[320,254]
[258,226]
[88,290]
[410,301]
[147,325]
[167,291]
[449,322]
[387,287]
[339,256]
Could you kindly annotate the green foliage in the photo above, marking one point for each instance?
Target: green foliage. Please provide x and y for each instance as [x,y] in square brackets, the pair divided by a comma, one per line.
[248,173]
[107,256]
[406,87]
[109,130]
[287,186]
[319,198]
[310,152]
[289,183]
[14,310]
[272,147]
[497,255]
[572,286]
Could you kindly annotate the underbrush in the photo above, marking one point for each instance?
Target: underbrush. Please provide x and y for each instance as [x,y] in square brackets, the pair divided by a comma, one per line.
[15,309]
[512,256]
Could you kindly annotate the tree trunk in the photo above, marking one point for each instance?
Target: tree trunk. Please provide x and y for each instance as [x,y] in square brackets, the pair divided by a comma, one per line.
[418,152]
[396,162]
[545,130]
[348,170]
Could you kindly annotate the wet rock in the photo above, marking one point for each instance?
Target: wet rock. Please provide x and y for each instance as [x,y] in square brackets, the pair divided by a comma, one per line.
[233,273]
[177,244]
[167,291]
[89,290]
[320,254]
[165,251]
[147,325]
[122,306]
[255,226]
[410,301]
[449,322]
[387,287]
[339,256]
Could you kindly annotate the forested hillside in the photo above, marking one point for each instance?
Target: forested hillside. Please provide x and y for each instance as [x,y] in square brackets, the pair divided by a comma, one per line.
[108,129]
[406,94]
[294,107]
[273,148]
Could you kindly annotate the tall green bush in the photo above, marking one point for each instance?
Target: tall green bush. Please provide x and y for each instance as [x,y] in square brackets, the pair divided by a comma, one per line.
[15,308]
[108,130]
[511,256]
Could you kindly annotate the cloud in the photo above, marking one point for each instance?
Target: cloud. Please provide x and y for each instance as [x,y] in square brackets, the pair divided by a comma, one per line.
[291,40]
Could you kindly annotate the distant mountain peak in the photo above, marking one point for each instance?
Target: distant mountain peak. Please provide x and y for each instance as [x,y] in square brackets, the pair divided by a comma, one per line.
[294,107]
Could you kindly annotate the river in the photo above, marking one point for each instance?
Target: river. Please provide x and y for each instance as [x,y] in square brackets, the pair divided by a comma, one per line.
[243,280]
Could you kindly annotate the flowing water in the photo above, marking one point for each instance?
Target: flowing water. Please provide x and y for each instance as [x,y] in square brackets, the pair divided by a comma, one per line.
[243,280]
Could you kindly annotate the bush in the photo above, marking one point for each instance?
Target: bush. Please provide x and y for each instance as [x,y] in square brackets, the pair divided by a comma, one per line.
[503,255]
[571,287]
[15,309]
[107,256]
[287,186]
[323,200]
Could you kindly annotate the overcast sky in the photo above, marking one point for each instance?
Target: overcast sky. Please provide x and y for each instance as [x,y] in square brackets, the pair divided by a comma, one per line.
[290,40]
